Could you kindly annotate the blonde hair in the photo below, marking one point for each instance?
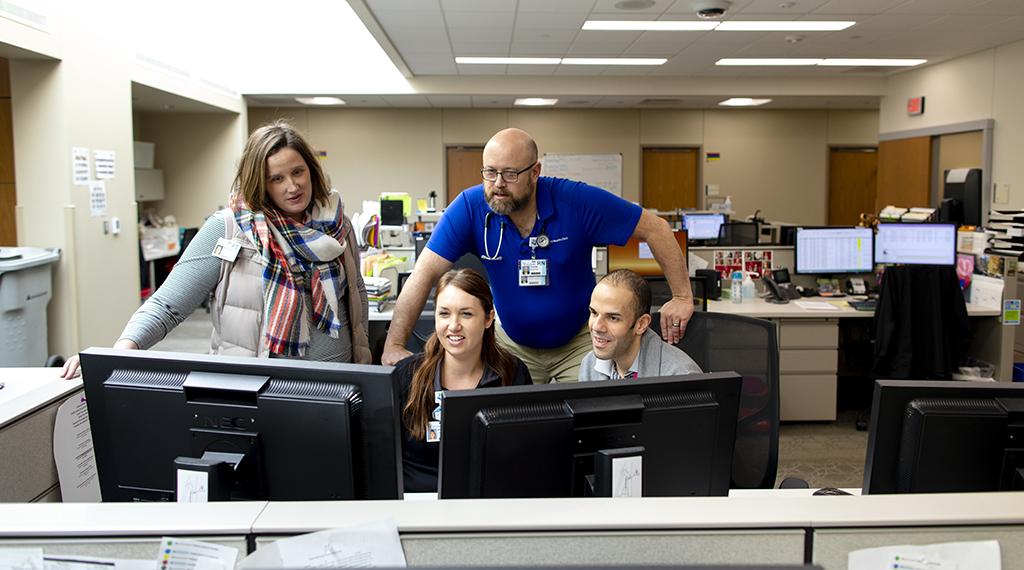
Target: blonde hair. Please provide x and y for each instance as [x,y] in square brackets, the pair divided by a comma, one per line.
[251,178]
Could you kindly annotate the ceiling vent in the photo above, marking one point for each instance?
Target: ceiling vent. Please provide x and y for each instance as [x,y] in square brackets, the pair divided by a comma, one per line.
[661,102]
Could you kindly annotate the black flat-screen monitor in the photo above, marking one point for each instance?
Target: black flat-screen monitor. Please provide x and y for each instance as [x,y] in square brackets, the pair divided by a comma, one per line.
[833,250]
[262,429]
[945,437]
[563,440]
[702,226]
[916,244]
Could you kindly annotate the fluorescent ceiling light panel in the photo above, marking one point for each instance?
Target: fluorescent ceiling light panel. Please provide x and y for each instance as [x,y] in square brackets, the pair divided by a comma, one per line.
[509,60]
[759,61]
[782,26]
[872,62]
[535,102]
[613,61]
[646,25]
[319,100]
[744,102]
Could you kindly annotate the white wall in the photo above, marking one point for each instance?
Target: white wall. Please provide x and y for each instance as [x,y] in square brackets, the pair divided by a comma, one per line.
[984,85]
[775,161]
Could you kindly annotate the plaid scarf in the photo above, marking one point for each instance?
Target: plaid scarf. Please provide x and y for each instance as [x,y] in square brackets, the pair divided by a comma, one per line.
[291,253]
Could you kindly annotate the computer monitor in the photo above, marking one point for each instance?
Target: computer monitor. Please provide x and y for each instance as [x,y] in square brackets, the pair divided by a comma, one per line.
[702,226]
[833,250]
[945,437]
[283,429]
[636,255]
[916,244]
[560,440]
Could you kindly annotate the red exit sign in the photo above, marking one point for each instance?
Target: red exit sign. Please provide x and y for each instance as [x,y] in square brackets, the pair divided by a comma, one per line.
[915,106]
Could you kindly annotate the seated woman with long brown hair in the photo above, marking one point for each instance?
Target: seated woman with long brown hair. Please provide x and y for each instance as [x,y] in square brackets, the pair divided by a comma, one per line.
[462,354]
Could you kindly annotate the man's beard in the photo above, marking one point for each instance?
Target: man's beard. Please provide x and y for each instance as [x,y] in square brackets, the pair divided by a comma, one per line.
[512,204]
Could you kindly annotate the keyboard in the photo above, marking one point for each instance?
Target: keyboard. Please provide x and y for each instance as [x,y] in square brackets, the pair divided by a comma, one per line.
[865,305]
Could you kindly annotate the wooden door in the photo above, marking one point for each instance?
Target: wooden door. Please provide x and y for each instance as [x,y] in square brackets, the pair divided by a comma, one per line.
[852,184]
[463,167]
[8,195]
[904,173]
[669,178]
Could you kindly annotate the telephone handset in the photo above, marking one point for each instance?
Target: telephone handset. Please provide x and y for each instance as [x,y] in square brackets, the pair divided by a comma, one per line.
[780,292]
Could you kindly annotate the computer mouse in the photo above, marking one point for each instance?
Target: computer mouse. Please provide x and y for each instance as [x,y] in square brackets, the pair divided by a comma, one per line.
[830,491]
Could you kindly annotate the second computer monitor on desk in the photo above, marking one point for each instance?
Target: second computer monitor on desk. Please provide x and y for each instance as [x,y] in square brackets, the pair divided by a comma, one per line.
[563,440]
[702,226]
[916,244]
[834,251]
[636,255]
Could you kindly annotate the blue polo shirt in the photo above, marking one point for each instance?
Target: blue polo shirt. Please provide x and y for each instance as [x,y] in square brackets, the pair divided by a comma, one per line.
[575,217]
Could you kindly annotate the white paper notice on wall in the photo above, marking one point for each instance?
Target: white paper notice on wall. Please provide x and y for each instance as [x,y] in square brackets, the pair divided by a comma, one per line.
[80,166]
[978,555]
[987,291]
[601,170]
[106,164]
[97,199]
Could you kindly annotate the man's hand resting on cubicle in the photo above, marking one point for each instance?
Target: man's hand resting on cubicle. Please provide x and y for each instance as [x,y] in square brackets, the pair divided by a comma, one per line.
[73,368]
[393,353]
[675,314]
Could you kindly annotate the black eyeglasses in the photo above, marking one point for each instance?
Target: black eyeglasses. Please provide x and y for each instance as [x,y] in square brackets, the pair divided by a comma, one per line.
[509,176]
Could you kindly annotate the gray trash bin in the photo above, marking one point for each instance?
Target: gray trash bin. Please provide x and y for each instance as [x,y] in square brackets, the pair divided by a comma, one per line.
[25,291]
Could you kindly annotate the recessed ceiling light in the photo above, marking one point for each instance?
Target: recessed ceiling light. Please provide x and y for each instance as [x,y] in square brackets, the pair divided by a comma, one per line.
[535,102]
[657,26]
[751,61]
[319,100]
[782,26]
[744,102]
[871,62]
[613,61]
[509,60]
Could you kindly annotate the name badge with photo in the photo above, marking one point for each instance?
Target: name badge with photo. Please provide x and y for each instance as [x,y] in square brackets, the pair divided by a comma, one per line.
[533,272]
[226,249]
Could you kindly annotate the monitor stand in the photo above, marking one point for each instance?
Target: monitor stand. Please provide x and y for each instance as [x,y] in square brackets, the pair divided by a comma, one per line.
[617,473]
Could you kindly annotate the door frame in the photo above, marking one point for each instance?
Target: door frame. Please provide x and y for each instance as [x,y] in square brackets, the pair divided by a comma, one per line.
[700,169]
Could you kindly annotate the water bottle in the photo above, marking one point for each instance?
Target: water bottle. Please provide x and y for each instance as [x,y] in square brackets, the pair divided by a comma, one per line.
[737,287]
[749,291]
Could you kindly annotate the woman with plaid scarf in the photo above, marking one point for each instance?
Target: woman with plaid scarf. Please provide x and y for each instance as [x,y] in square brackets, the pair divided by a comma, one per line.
[281,262]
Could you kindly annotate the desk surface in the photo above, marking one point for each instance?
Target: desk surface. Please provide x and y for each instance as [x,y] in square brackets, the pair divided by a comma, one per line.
[764,309]
[28,389]
[750,510]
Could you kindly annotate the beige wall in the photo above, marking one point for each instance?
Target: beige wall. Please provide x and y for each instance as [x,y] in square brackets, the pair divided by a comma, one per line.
[375,150]
[960,150]
[984,85]
[198,153]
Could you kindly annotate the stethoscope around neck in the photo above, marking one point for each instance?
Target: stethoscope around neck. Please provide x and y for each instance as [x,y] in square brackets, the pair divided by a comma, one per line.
[541,240]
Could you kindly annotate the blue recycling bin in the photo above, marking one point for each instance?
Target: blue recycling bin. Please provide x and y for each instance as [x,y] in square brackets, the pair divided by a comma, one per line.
[25,291]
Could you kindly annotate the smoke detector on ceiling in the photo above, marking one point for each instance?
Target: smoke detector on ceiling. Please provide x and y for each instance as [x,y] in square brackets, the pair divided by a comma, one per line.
[711,9]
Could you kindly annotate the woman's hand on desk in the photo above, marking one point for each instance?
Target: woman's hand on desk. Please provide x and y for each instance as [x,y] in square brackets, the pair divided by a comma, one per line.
[73,368]
[674,316]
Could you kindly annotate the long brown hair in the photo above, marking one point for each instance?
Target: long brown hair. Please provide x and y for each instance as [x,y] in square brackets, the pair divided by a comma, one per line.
[418,406]
[251,177]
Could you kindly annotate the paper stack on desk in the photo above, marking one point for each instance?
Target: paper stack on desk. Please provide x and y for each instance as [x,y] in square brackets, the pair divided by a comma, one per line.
[1006,227]
[378,292]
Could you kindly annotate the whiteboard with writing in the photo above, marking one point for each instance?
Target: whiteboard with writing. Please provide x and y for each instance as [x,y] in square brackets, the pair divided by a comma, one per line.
[601,170]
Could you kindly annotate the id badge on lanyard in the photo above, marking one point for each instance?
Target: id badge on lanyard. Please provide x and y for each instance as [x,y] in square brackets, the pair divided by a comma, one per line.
[533,272]
[434,425]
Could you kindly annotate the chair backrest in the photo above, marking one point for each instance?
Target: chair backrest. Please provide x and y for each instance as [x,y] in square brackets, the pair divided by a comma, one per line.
[721,342]
[421,331]
[738,233]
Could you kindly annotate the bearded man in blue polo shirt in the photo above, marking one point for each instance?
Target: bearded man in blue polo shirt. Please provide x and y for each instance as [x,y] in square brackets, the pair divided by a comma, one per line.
[534,236]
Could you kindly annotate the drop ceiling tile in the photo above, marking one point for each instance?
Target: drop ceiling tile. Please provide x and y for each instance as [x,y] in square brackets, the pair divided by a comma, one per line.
[937,7]
[493,35]
[492,100]
[478,5]
[568,6]
[858,6]
[543,36]
[531,69]
[406,100]
[778,7]
[409,18]
[404,5]
[481,69]
[609,6]
[450,100]
[1003,7]
[550,20]
[480,49]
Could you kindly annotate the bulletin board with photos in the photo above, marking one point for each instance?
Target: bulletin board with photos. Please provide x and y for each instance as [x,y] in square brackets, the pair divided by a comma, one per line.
[758,263]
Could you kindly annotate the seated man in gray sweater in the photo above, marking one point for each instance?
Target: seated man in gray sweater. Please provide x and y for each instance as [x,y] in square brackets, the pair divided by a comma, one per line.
[624,345]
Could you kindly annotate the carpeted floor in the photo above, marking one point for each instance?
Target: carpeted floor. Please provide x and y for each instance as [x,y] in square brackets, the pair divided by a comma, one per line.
[825,454]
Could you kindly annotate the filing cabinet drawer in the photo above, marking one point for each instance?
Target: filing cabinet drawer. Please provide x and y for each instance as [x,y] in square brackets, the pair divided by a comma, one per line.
[808,360]
[808,333]
[807,397]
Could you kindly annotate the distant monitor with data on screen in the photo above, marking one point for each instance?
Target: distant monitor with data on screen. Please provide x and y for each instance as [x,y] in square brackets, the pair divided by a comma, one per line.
[839,250]
[636,256]
[702,226]
[916,244]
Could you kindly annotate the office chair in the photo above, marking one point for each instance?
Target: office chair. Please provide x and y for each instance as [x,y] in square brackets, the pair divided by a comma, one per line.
[721,342]
[421,331]
[738,233]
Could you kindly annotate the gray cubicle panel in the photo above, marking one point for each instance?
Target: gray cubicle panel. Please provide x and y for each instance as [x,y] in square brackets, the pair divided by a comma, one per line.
[768,546]
[138,548]
[833,546]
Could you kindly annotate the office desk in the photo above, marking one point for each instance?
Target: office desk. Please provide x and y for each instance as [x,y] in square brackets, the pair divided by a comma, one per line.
[809,349]
[754,527]
[28,408]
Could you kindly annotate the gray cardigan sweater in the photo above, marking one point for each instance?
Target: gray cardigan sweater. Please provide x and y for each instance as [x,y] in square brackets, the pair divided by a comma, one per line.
[656,358]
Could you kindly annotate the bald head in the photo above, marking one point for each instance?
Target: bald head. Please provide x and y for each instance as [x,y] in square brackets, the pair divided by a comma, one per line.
[512,142]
